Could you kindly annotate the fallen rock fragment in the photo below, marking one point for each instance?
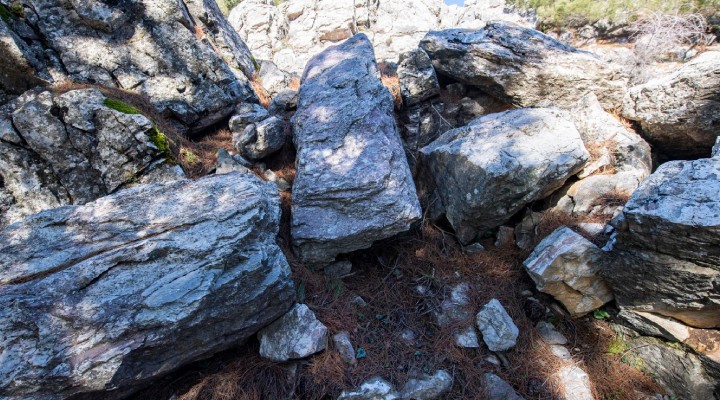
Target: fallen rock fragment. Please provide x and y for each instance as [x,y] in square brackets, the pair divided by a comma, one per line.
[498,329]
[297,334]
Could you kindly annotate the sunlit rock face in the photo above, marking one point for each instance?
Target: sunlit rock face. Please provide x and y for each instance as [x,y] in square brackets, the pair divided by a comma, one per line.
[668,245]
[523,66]
[353,184]
[115,293]
[487,171]
[182,55]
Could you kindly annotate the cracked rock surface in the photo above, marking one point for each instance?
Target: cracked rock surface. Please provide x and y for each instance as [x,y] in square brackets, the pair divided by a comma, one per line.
[298,334]
[487,171]
[117,292]
[353,183]
[182,55]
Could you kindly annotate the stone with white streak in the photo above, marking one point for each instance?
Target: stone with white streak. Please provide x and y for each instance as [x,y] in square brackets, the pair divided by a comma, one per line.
[297,334]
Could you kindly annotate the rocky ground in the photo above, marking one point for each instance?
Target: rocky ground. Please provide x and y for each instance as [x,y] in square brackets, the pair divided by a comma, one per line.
[354,205]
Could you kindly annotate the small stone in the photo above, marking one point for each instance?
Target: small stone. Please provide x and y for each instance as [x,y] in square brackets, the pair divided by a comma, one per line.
[575,383]
[428,387]
[549,334]
[344,347]
[498,329]
[359,301]
[473,248]
[560,352]
[408,335]
[592,228]
[373,389]
[297,334]
[526,293]
[226,163]
[498,389]
[467,338]
[338,269]
[505,237]
[492,359]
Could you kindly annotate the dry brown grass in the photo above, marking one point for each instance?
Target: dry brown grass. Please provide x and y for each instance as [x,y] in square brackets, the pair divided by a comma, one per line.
[294,84]
[390,79]
[260,91]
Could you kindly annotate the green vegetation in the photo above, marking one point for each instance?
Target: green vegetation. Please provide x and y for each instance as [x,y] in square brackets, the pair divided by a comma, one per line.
[160,141]
[5,14]
[189,157]
[278,2]
[601,314]
[617,346]
[121,106]
[579,12]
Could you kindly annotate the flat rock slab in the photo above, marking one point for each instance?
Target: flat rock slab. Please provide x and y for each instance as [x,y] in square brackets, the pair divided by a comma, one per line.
[112,294]
[353,183]
[522,66]
[567,266]
[297,334]
[668,245]
[487,171]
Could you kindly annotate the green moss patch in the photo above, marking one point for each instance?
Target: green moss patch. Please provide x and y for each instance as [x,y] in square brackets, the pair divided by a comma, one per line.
[121,106]
[160,140]
[5,14]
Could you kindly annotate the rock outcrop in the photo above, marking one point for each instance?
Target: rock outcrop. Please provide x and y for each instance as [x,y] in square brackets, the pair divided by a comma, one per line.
[668,245]
[353,184]
[522,66]
[486,172]
[182,55]
[70,148]
[680,112]
[567,266]
[109,295]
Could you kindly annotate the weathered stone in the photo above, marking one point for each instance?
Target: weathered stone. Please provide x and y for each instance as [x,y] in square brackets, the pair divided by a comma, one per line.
[353,184]
[418,81]
[526,234]
[273,79]
[373,389]
[112,294]
[428,387]
[260,139]
[344,347]
[486,172]
[70,149]
[498,329]
[505,237]
[549,334]
[667,245]
[227,163]
[181,55]
[297,334]
[655,325]
[567,266]
[246,114]
[498,389]
[574,383]
[338,269]
[522,66]
[283,102]
[560,352]
[457,309]
[679,112]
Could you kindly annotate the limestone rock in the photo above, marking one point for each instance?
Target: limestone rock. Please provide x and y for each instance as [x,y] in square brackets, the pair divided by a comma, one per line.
[498,389]
[297,334]
[70,149]
[574,383]
[353,184]
[418,81]
[373,389]
[498,329]
[679,112]
[182,55]
[114,293]
[428,387]
[667,246]
[486,172]
[522,66]
[567,266]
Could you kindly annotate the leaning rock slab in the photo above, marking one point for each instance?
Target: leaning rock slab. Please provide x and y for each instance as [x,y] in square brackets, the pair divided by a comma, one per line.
[522,66]
[667,245]
[353,184]
[679,113]
[567,266]
[112,294]
[297,334]
[498,329]
[486,172]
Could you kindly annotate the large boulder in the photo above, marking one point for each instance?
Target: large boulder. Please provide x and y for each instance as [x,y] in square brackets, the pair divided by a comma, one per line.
[353,183]
[522,66]
[182,55]
[487,171]
[667,245]
[567,266]
[112,294]
[71,148]
[680,112]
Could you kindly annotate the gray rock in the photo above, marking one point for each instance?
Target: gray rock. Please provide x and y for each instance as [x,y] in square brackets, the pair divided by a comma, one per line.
[373,389]
[226,163]
[115,293]
[344,347]
[473,248]
[282,184]
[486,172]
[418,81]
[456,309]
[667,246]
[679,112]
[297,334]
[70,149]
[522,66]
[498,329]
[560,352]
[246,114]
[498,389]
[261,139]
[549,334]
[655,325]
[160,172]
[505,237]
[574,383]
[338,269]
[716,148]
[428,387]
[526,234]
[423,123]
[567,266]
[181,55]
[273,79]
[353,184]
[283,102]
